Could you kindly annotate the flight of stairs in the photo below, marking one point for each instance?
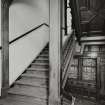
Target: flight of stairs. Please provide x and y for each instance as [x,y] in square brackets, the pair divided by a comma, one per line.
[31,88]
[92,27]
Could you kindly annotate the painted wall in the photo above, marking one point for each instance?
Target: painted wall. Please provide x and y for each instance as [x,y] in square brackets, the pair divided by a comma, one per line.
[27,14]
[24,51]
[24,16]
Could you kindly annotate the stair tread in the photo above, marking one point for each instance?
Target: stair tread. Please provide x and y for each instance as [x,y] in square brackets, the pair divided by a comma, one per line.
[35,75]
[10,101]
[44,55]
[32,82]
[40,58]
[28,99]
[41,64]
[29,91]
[41,61]
[39,69]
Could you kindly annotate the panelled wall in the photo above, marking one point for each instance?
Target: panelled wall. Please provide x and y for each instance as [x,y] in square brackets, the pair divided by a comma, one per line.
[25,15]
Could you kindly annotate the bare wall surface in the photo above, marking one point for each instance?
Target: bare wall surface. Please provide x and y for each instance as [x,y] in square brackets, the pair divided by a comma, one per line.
[25,15]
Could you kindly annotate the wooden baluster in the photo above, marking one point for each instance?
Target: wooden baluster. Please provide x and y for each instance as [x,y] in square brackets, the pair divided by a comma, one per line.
[98,80]
[80,61]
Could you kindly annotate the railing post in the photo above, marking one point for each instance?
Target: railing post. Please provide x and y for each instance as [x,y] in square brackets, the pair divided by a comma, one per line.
[55,52]
[98,78]
[80,61]
[5,46]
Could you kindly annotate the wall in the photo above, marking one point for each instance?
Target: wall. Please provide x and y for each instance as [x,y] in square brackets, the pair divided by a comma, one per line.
[25,15]
[69,23]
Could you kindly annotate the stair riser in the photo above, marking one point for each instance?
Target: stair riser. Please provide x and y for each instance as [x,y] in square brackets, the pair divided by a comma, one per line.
[39,66]
[42,61]
[37,72]
[45,52]
[36,79]
[44,77]
[43,56]
[31,85]
[38,69]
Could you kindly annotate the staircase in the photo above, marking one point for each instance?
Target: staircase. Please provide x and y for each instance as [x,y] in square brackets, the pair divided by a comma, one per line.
[31,88]
[92,26]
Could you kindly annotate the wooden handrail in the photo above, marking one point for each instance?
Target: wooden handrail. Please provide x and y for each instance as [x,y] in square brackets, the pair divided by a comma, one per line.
[27,33]
[67,61]
[67,52]
[67,49]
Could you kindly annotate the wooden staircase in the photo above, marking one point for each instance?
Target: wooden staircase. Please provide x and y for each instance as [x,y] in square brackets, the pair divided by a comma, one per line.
[31,88]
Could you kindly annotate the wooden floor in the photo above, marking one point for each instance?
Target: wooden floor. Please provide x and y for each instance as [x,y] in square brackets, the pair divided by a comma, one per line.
[80,101]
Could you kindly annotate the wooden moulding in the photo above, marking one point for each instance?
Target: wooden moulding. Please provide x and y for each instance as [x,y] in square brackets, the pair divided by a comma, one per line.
[5,46]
